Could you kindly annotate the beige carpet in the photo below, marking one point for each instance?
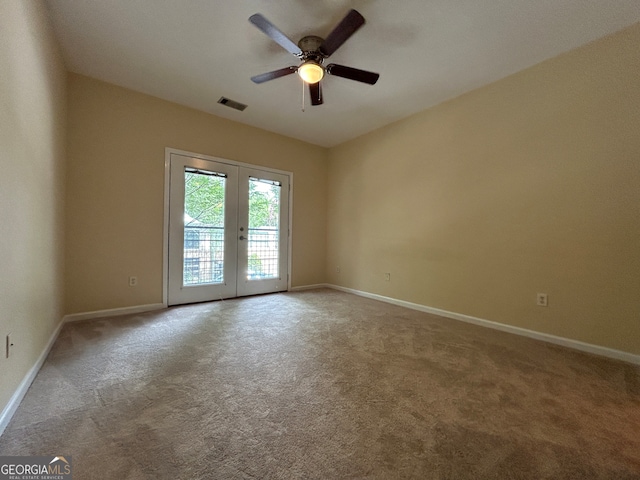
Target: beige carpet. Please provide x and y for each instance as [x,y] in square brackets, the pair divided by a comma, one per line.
[323,384]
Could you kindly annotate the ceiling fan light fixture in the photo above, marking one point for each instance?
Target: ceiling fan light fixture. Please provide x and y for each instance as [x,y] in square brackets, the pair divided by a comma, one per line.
[311,72]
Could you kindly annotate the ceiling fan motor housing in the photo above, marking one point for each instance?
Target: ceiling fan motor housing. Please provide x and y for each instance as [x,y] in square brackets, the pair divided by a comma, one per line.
[310,46]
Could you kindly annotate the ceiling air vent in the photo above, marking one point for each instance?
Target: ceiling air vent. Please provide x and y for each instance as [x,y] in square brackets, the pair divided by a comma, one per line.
[232,103]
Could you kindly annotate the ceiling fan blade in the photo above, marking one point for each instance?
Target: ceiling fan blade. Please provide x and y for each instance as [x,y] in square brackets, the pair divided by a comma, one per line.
[275,34]
[315,91]
[265,77]
[347,27]
[353,73]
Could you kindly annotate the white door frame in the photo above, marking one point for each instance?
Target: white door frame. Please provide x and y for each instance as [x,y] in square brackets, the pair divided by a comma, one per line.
[165,230]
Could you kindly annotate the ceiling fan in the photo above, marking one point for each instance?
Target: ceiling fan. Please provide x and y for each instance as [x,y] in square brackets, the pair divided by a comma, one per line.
[312,51]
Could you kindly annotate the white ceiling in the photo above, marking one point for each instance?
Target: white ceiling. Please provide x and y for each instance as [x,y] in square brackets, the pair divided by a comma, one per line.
[192,52]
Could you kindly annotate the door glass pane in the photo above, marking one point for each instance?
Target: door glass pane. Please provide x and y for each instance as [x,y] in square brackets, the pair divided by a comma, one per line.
[263,235]
[203,227]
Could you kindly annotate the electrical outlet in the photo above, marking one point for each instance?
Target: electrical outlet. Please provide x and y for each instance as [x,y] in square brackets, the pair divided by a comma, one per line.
[133,281]
[387,277]
[542,300]
[338,269]
[9,345]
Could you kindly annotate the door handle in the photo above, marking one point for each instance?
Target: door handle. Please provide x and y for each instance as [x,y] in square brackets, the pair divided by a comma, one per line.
[242,237]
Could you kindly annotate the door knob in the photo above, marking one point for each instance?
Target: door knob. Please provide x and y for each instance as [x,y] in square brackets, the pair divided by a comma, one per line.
[242,237]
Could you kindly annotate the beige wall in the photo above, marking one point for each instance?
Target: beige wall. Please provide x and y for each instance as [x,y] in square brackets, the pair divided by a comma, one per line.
[531,184]
[115,178]
[32,122]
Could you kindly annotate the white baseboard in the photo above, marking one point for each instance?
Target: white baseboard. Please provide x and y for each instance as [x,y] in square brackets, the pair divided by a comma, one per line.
[545,337]
[18,395]
[113,312]
[309,287]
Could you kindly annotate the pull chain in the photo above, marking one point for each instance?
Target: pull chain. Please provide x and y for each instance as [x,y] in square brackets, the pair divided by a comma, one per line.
[303,85]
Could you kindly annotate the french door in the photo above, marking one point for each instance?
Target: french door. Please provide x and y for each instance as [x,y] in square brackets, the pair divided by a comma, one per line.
[228,230]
